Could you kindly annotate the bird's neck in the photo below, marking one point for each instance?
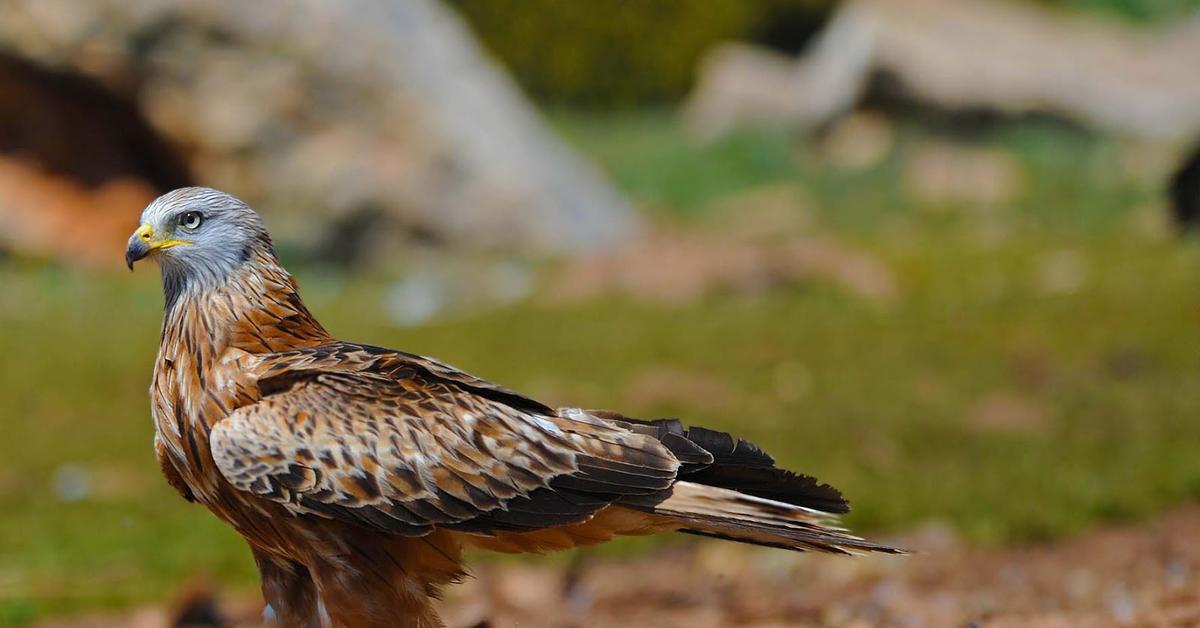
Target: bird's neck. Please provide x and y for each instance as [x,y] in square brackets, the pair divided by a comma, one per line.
[257,309]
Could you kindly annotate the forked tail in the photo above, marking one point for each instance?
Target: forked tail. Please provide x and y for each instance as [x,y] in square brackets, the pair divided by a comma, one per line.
[740,495]
[727,514]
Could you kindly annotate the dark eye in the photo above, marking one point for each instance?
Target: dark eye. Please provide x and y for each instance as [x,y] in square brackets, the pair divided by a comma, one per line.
[191,220]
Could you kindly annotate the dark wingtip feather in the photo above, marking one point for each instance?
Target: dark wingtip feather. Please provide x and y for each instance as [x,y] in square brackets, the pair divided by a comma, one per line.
[742,466]
[728,449]
[669,432]
[775,484]
[721,459]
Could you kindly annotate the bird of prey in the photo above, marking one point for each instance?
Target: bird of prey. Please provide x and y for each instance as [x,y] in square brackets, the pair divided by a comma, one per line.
[359,474]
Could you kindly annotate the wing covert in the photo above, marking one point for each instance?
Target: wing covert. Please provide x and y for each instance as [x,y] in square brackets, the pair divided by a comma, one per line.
[396,445]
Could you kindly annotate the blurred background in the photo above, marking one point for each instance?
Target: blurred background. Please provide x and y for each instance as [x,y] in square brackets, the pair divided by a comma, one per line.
[937,253]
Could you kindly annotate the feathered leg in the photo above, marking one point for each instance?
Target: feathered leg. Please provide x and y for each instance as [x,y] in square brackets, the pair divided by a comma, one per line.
[360,595]
[385,582]
[289,592]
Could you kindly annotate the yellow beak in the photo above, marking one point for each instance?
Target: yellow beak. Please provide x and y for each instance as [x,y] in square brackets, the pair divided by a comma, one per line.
[144,242]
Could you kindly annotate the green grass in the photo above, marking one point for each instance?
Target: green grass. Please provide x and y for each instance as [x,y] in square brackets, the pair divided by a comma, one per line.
[648,157]
[873,397]
[1075,183]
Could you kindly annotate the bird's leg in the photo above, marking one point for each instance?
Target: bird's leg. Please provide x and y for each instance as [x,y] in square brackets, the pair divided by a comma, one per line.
[289,592]
[365,593]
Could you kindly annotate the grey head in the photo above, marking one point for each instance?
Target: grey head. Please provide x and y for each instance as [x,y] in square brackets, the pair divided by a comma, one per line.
[198,236]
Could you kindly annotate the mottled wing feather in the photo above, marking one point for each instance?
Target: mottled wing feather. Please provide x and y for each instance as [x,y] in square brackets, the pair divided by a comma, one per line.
[404,444]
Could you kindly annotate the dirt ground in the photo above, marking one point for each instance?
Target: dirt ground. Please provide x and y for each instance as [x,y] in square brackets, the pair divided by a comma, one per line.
[1136,575]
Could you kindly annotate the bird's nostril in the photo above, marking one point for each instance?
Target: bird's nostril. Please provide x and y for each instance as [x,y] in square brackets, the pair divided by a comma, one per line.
[146,236]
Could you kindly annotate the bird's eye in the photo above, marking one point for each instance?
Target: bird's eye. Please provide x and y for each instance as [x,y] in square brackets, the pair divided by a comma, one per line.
[191,220]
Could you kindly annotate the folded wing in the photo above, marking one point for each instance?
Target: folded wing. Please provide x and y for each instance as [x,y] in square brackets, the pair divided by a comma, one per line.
[402,444]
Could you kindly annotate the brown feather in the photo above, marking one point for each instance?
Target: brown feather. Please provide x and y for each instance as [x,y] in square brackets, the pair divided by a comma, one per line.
[358,473]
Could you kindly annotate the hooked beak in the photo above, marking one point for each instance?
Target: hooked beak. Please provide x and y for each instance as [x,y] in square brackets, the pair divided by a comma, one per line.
[144,242]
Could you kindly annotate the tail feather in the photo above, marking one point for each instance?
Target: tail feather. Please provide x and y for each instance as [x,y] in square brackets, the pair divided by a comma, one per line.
[729,488]
[721,459]
[728,514]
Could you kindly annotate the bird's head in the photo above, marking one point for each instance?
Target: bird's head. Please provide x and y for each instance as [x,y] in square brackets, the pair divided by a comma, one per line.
[198,234]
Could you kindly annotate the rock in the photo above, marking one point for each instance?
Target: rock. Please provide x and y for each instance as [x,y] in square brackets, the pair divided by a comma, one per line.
[860,141]
[323,108]
[72,482]
[44,214]
[679,269]
[742,85]
[434,286]
[940,174]
[1009,57]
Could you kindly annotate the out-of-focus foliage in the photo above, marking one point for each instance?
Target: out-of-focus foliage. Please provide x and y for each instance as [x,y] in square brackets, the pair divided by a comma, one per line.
[1139,10]
[630,51]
